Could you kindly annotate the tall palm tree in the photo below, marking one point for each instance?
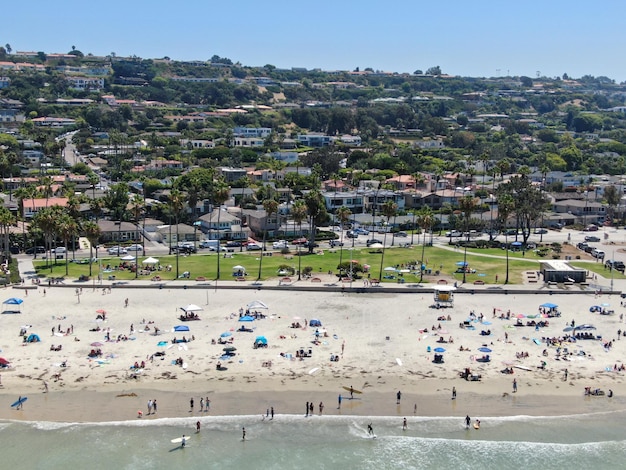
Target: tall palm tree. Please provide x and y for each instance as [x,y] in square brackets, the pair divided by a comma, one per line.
[245,182]
[92,232]
[315,208]
[46,220]
[299,214]
[137,208]
[467,205]
[506,206]
[176,203]
[68,228]
[6,221]
[220,196]
[343,214]
[270,206]
[426,221]
[389,209]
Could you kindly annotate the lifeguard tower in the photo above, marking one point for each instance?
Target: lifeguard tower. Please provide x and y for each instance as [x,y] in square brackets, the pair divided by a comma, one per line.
[444,296]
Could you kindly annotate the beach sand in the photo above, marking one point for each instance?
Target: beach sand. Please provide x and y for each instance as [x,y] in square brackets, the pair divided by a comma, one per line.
[385,351]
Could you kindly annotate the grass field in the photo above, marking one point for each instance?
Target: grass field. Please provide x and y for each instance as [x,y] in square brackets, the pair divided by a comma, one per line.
[436,259]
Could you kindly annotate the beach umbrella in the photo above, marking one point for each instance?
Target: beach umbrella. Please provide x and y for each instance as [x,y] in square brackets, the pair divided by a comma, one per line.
[549,305]
[520,315]
[261,340]
[3,361]
[606,304]
[246,318]
[101,311]
[439,350]
[376,246]
[239,268]
[191,308]
[229,349]
[13,301]
[128,258]
[96,344]
[257,304]
[567,329]
[462,263]
[181,328]
[485,350]
[226,334]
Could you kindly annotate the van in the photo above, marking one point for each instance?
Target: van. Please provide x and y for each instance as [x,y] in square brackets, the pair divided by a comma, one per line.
[599,254]
[210,244]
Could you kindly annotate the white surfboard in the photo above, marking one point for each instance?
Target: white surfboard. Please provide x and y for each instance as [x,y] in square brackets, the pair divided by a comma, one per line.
[398,361]
[184,365]
[314,370]
[178,440]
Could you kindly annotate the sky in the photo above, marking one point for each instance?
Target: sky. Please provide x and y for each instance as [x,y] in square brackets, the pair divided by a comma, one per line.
[481,38]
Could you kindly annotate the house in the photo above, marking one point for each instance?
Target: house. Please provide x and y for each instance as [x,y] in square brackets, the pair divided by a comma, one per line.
[260,132]
[259,222]
[32,206]
[4,82]
[173,234]
[116,231]
[314,140]
[260,175]
[429,144]
[402,182]
[197,143]
[227,228]
[53,122]
[248,141]
[586,212]
[335,185]
[85,83]
[353,200]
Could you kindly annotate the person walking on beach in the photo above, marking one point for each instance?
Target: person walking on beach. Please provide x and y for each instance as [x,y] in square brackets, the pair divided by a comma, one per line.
[20,403]
[454,393]
[207,404]
[149,406]
[311,408]
[272,412]
[514,386]
[468,420]
[339,401]
[307,409]
[201,404]
[243,434]
[45,387]
[154,406]
[126,302]
[343,346]
[191,404]
[197,426]
[351,392]
[565,375]
[398,397]
[183,443]
[321,408]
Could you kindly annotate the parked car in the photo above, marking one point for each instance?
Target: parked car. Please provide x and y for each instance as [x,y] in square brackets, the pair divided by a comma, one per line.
[372,241]
[454,233]
[35,249]
[135,247]
[592,238]
[334,243]
[400,234]
[539,231]
[352,234]
[117,250]
[361,231]
[617,265]
[591,228]
[299,241]
[280,245]
[309,244]
[233,244]
[253,247]
[184,249]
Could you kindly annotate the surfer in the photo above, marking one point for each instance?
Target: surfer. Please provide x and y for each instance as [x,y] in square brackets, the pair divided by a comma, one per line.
[183,442]
[20,403]
[477,424]
[197,426]
[339,401]
[454,393]
[370,429]
[398,397]
[468,420]
[351,392]
[404,426]
[243,434]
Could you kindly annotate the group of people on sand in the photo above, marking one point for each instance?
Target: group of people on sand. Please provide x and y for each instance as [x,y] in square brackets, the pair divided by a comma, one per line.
[183,339]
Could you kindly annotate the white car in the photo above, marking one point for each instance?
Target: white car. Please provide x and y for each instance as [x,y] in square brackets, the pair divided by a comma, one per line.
[135,247]
[117,250]
[279,245]
[253,247]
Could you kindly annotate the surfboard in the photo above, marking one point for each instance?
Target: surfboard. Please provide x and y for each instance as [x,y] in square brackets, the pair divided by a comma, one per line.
[354,390]
[476,426]
[313,371]
[19,402]
[398,361]
[178,440]
[537,341]
[523,368]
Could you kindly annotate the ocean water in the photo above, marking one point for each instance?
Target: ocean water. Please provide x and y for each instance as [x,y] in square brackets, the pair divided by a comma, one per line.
[595,441]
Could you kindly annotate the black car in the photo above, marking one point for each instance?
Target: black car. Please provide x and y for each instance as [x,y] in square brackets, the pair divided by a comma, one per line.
[617,265]
[184,250]
[233,244]
[334,243]
[35,249]
[372,241]
[591,238]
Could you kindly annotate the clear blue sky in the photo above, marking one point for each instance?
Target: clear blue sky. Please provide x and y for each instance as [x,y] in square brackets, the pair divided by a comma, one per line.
[471,38]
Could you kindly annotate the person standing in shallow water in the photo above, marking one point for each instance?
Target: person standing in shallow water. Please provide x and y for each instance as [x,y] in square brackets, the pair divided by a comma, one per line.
[398,397]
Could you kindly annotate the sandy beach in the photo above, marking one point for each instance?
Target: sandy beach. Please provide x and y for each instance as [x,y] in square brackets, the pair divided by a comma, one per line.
[388,346]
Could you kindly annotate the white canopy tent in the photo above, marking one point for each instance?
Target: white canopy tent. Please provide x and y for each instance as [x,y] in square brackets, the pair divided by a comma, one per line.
[257,304]
[150,260]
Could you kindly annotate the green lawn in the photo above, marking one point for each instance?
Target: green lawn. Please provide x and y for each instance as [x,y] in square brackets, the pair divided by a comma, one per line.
[205,265]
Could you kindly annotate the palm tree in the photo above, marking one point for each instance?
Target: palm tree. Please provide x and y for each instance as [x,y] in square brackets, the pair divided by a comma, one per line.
[68,228]
[245,182]
[389,210]
[467,205]
[176,203]
[270,206]
[315,208]
[221,193]
[343,214]
[506,205]
[6,221]
[425,221]
[299,214]
[137,209]
[92,232]
[46,220]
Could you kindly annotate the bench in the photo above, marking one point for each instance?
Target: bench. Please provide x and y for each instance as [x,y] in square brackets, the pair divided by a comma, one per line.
[479,282]
[240,278]
[200,278]
[316,279]
[442,281]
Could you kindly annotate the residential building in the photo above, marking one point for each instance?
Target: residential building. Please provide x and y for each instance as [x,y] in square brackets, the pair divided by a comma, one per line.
[248,142]
[116,231]
[314,140]
[86,83]
[585,211]
[173,234]
[232,174]
[260,132]
[4,82]
[32,206]
[353,200]
[227,228]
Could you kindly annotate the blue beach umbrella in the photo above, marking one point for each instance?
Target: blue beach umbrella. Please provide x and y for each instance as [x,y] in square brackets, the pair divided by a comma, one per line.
[439,350]
[485,350]
[226,334]
[246,318]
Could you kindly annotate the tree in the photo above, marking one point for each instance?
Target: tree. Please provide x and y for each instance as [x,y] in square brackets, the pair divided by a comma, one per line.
[436,70]
[8,48]
[506,205]
[612,197]
[221,193]
[6,222]
[92,233]
[176,203]
[425,220]
[299,214]
[343,214]
[270,206]
[316,211]
[137,209]
[467,205]
[68,229]
[389,210]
